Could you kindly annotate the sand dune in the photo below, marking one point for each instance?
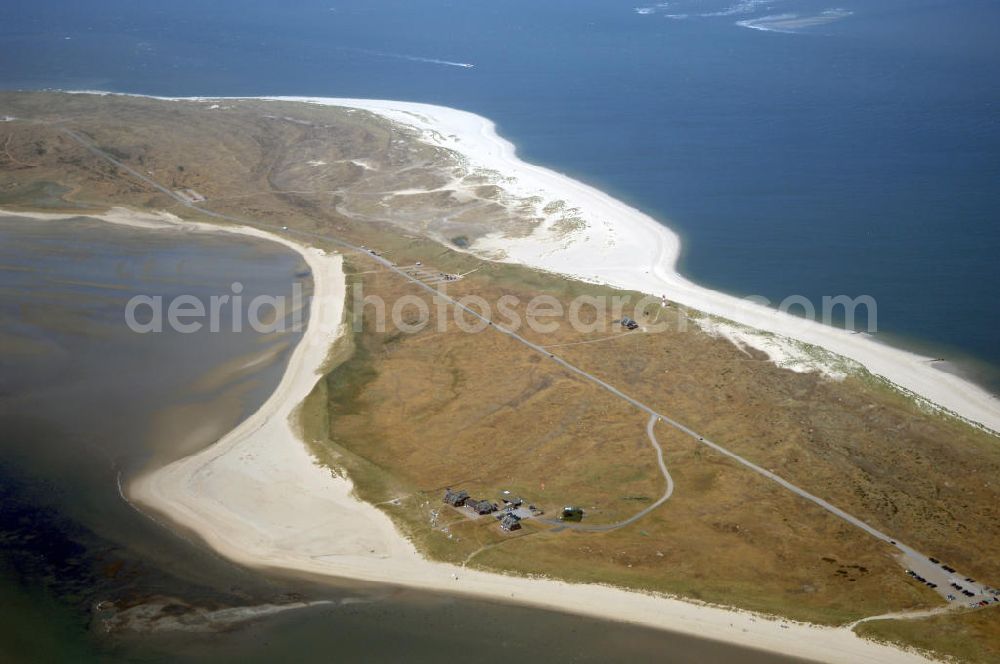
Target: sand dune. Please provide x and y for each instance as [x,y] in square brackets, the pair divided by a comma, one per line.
[624,247]
[259,498]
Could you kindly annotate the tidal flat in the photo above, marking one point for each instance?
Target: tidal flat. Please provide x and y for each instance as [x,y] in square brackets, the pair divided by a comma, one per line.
[85,403]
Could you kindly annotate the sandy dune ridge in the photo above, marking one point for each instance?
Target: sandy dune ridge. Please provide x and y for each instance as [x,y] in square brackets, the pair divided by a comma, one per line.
[624,247]
[258,497]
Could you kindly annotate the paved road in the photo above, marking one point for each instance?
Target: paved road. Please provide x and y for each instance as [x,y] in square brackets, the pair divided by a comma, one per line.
[910,557]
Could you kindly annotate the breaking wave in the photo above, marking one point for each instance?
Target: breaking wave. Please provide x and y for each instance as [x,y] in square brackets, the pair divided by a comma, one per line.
[652,9]
[784,22]
[744,7]
[793,22]
[741,7]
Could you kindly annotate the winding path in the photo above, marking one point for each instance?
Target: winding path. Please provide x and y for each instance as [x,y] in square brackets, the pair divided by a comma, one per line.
[607,527]
[909,557]
[902,615]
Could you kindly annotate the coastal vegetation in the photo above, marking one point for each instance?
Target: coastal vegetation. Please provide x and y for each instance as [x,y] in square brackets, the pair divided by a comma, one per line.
[407,415]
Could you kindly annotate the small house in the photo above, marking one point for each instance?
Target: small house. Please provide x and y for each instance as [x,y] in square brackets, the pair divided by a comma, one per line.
[570,513]
[481,506]
[510,522]
[455,498]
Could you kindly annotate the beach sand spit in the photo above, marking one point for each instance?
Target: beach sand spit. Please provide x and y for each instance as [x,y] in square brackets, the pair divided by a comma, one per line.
[259,498]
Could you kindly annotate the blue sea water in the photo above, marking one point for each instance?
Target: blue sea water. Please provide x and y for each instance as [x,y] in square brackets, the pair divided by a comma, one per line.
[801,147]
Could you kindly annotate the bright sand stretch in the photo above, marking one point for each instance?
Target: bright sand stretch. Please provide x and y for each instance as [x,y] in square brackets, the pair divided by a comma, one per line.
[625,248]
[258,497]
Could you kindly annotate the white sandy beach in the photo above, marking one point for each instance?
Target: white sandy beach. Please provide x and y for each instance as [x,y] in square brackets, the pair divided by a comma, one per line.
[259,498]
[626,248]
[623,247]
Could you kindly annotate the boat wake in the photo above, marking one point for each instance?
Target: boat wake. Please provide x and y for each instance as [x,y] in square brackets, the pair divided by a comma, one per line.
[411,58]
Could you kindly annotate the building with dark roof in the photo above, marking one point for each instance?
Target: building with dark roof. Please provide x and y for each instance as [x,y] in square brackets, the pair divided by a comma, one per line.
[510,522]
[480,506]
[455,498]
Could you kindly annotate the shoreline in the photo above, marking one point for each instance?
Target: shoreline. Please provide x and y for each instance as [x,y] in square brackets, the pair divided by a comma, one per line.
[624,241]
[259,498]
